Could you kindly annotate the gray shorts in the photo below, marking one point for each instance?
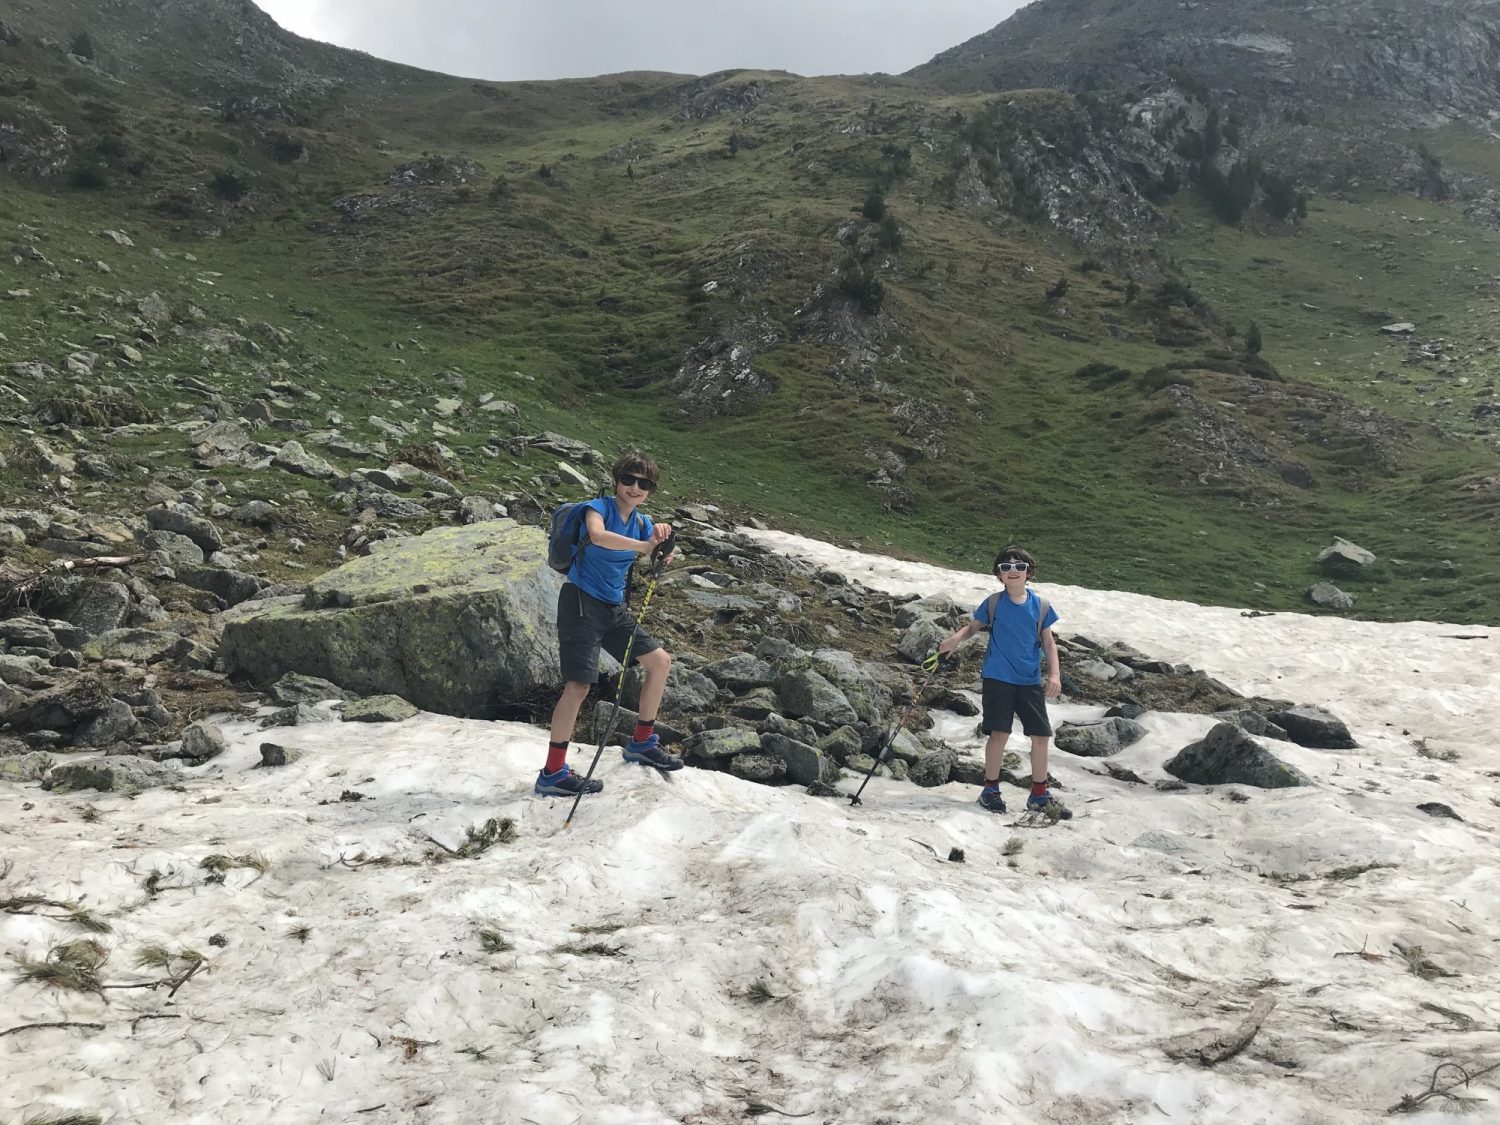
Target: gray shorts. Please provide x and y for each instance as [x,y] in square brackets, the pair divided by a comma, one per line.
[585,625]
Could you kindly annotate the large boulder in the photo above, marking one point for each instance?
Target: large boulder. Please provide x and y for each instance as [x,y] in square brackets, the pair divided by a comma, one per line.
[1314,727]
[1227,755]
[806,694]
[1344,558]
[64,708]
[459,621]
[1099,738]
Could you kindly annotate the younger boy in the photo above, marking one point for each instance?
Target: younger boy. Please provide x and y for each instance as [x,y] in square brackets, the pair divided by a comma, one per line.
[591,614]
[1020,626]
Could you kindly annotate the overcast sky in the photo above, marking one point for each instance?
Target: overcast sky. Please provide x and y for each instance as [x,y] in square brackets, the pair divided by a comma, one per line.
[527,39]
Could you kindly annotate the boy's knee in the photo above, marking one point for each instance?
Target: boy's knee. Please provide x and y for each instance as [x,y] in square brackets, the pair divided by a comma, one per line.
[657,660]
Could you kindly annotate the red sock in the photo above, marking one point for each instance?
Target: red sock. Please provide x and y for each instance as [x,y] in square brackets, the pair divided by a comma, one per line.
[557,756]
[1038,788]
[643,729]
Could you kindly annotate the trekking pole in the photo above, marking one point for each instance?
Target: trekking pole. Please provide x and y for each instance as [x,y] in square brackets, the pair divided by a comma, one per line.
[658,560]
[931,664]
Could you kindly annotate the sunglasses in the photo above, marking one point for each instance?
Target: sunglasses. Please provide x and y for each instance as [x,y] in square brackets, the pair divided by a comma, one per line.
[1007,567]
[645,484]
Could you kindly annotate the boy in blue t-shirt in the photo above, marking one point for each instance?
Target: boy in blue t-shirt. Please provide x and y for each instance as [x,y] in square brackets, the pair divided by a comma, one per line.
[591,614]
[1020,627]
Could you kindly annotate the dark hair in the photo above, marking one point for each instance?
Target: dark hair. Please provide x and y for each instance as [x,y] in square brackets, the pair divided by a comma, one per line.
[637,464]
[1014,553]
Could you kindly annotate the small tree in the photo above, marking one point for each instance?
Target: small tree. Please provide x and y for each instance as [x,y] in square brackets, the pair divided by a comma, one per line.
[1253,339]
[874,206]
[83,45]
[1059,289]
[891,237]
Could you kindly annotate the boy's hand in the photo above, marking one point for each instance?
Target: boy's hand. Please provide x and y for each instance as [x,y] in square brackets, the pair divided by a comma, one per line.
[661,532]
[1054,687]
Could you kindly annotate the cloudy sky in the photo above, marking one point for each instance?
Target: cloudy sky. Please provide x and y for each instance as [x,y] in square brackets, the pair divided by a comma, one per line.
[527,39]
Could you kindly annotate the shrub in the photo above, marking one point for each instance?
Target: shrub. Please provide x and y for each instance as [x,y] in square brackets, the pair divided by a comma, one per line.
[891,237]
[857,281]
[88,176]
[1253,339]
[1059,289]
[874,205]
[1156,378]
[1175,291]
[1103,374]
[285,148]
[1281,195]
[83,45]
[229,185]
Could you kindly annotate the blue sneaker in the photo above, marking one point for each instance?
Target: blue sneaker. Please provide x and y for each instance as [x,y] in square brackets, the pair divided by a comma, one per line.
[565,783]
[989,798]
[1049,806]
[649,753]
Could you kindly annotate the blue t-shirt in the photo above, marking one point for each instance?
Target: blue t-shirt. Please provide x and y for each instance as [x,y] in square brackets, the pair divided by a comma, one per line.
[598,571]
[1015,650]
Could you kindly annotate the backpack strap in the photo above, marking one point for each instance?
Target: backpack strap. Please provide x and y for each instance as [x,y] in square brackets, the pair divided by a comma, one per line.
[992,603]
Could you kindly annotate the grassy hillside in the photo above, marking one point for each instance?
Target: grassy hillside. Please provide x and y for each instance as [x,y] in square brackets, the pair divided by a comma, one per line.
[579,241]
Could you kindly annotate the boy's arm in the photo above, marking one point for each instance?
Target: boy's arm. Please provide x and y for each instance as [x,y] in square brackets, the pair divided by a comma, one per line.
[1054,670]
[970,627]
[611,541]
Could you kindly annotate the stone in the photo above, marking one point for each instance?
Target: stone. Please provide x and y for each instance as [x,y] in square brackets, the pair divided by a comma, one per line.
[114,723]
[1399,328]
[687,692]
[476,509]
[806,694]
[841,744]
[179,549]
[298,715]
[933,767]
[1252,722]
[295,459]
[1314,727]
[724,742]
[921,637]
[26,767]
[1229,756]
[272,754]
[1329,596]
[28,632]
[294,688]
[1344,558]
[740,673]
[185,520]
[123,774]
[96,607]
[201,741]
[1128,710]
[137,646]
[757,703]
[1100,738]
[379,709]
[804,764]
[764,768]
[61,708]
[1439,810]
[1096,669]
[231,586]
[24,671]
[871,702]
[776,723]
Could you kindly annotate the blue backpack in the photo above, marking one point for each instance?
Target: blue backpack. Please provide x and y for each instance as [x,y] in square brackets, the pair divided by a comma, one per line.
[567,539]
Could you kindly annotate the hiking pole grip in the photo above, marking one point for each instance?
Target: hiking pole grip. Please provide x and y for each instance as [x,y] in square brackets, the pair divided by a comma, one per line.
[662,550]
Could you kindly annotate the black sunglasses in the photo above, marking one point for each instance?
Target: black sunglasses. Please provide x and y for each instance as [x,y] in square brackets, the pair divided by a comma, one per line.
[645,484]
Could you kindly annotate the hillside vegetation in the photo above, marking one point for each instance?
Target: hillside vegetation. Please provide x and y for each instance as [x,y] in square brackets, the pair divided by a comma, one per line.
[925,319]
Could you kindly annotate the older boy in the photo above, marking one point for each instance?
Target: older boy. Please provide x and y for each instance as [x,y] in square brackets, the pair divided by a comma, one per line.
[1020,627]
[591,614]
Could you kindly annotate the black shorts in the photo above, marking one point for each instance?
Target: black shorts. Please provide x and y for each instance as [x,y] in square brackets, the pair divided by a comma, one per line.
[585,624]
[1004,701]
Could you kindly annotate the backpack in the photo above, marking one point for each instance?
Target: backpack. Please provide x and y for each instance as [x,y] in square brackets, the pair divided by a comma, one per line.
[993,601]
[567,538]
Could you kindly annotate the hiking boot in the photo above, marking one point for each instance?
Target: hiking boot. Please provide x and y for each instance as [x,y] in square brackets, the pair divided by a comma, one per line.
[1049,806]
[565,783]
[649,753]
[989,798]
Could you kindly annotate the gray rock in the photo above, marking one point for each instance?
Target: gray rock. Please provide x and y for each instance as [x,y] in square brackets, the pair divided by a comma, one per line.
[757,703]
[25,671]
[841,744]
[804,764]
[256,513]
[294,688]
[184,520]
[870,701]
[299,715]
[1329,596]
[740,673]
[273,755]
[138,646]
[123,774]
[792,728]
[1128,710]
[765,768]
[1099,739]
[921,637]
[1252,722]
[11,536]
[1229,756]
[295,459]
[939,608]
[722,743]
[729,604]
[967,770]
[114,723]
[61,708]
[687,692]
[97,607]
[179,549]
[379,709]
[1096,669]
[1314,727]
[26,767]
[806,694]
[201,741]
[28,632]
[933,767]
[232,586]
[476,509]
[1344,558]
